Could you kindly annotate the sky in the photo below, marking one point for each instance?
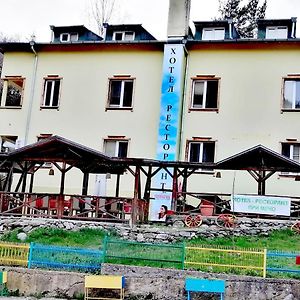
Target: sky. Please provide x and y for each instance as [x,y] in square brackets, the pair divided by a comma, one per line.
[22,18]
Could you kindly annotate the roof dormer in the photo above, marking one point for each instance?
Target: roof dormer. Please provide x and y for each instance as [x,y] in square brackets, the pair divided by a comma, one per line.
[215,30]
[277,29]
[72,34]
[126,32]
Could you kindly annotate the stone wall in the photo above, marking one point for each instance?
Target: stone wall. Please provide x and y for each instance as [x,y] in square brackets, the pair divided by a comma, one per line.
[147,283]
[151,233]
[168,284]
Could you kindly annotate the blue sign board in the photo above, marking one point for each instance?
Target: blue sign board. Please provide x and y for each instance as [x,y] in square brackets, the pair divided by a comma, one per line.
[169,123]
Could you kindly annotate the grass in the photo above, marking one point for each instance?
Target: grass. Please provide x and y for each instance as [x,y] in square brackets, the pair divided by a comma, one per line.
[157,256]
[83,238]
[284,240]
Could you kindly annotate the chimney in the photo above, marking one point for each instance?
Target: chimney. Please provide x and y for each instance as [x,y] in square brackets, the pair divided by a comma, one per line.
[178,20]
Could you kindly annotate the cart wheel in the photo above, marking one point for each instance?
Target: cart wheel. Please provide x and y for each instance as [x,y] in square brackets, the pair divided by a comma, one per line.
[296,227]
[198,220]
[193,221]
[226,220]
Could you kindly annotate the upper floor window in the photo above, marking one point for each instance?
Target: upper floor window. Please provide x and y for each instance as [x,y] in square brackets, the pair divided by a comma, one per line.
[120,93]
[116,147]
[291,94]
[11,91]
[69,37]
[7,143]
[123,36]
[276,32]
[213,34]
[201,151]
[205,93]
[51,92]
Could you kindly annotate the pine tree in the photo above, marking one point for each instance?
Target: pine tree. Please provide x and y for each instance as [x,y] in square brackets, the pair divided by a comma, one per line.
[244,16]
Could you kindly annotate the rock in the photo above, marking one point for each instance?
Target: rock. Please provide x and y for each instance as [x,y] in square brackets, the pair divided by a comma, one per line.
[22,236]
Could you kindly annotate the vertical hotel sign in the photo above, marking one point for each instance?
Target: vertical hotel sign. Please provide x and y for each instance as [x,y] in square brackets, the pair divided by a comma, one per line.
[169,124]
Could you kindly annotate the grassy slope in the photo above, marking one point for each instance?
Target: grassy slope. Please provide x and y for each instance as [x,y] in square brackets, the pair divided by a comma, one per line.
[92,238]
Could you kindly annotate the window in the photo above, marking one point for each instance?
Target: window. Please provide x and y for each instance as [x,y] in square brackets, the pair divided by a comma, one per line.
[123,36]
[116,148]
[69,37]
[291,150]
[120,93]
[291,94]
[205,94]
[8,143]
[201,151]
[213,34]
[51,92]
[11,91]
[276,32]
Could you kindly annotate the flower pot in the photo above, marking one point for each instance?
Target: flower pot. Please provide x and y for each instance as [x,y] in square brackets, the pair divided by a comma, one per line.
[207,208]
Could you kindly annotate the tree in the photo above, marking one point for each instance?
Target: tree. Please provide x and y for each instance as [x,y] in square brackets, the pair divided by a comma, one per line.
[5,39]
[244,16]
[101,12]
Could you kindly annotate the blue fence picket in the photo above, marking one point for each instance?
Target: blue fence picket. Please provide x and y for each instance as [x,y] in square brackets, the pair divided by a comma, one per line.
[67,258]
[279,261]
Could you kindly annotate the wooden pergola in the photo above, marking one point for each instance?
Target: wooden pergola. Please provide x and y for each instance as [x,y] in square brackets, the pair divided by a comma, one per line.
[261,163]
[65,155]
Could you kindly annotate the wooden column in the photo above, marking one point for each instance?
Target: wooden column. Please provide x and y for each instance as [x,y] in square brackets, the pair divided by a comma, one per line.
[85,183]
[134,209]
[174,189]
[118,185]
[31,182]
[60,199]
[148,184]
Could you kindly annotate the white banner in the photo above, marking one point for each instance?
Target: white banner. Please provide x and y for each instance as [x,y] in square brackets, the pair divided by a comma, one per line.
[261,205]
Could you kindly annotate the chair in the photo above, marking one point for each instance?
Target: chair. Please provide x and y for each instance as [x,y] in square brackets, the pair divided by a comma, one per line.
[107,282]
[204,285]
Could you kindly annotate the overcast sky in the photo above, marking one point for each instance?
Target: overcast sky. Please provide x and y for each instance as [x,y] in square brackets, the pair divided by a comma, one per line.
[24,17]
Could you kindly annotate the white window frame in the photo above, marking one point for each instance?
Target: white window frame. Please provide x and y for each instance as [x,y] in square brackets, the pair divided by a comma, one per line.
[276,29]
[121,103]
[45,87]
[117,143]
[69,37]
[3,96]
[291,154]
[201,143]
[123,35]
[61,37]
[294,81]
[205,81]
[7,137]
[214,29]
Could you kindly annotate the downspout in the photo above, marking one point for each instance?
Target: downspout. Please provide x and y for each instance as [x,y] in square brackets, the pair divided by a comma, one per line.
[230,28]
[30,105]
[293,33]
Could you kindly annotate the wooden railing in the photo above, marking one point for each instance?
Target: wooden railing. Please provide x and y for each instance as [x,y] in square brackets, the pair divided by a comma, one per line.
[70,206]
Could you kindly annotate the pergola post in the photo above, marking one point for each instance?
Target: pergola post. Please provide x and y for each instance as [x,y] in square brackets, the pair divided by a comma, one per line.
[134,209]
[85,183]
[118,185]
[174,189]
[60,200]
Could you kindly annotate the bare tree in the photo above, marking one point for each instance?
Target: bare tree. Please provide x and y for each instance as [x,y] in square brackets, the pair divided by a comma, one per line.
[101,11]
[5,39]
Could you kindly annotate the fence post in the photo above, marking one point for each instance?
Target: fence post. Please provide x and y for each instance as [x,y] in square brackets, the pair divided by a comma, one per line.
[105,247]
[31,245]
[265,264]
[183,255]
